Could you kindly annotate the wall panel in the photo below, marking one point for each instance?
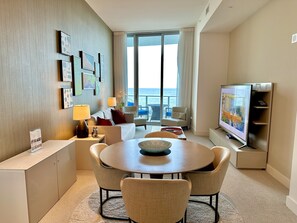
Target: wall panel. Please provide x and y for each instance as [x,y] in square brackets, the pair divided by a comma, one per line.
[30,83]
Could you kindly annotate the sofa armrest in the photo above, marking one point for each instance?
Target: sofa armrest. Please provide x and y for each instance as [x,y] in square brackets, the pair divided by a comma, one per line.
[129,116]
[112,133]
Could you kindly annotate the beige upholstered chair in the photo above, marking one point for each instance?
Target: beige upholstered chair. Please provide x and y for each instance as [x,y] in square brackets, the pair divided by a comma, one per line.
[208,183]
[139,121]
[179,117]
[108,178]
[161,134]
[155,200]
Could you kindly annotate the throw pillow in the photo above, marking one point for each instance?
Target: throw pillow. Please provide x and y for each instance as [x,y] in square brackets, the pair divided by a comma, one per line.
[118,116]
[102,121]
[178,115]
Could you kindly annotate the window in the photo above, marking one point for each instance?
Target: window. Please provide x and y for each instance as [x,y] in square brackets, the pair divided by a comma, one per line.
[152,73]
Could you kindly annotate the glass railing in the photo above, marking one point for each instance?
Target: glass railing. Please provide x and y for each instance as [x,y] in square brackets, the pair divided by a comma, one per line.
[150,105]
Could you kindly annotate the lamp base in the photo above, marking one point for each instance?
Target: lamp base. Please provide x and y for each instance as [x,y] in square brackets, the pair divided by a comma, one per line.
[82,130]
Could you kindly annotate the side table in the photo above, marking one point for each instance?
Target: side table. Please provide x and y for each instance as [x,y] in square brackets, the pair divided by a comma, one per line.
[82,147]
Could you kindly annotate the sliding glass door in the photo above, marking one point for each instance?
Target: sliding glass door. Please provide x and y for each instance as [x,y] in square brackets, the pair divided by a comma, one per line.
[152,74]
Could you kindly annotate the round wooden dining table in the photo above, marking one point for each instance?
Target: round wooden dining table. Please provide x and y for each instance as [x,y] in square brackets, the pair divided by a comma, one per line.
[183,156]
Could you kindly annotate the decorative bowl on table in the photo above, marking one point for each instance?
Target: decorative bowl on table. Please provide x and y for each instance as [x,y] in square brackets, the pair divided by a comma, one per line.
[154,145]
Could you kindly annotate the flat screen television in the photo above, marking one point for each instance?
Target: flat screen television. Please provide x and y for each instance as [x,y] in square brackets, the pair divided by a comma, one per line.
[234,110]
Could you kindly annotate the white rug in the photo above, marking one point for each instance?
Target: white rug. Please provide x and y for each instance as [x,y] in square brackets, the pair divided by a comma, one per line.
[87,211]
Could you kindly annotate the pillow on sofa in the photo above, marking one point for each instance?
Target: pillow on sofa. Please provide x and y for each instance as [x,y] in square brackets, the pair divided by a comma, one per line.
[102,121]
[178,115]
[118,116]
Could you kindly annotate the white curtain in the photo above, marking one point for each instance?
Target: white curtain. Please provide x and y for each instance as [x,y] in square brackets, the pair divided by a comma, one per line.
[185,67]
[120,66]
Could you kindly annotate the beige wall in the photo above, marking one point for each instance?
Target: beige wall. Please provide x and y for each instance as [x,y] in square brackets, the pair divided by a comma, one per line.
[261,51]
[30,83]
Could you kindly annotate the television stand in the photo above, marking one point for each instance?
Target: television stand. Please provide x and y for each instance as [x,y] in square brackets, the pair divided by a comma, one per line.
[247,158]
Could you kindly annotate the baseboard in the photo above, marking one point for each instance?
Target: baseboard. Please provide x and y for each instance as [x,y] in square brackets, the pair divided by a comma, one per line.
[291,204]
[278,176]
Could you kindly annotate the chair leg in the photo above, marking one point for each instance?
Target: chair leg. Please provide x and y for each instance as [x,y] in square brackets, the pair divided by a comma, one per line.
[216,208]
[101,201]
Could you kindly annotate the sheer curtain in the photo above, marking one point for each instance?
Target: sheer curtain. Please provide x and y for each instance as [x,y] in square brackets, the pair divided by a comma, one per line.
[120,66]
[185,67]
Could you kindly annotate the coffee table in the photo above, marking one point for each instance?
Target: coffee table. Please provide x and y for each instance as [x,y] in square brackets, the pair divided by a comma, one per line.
[181,136]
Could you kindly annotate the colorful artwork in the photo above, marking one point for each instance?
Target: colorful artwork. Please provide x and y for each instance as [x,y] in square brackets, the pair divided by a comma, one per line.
[89,81]
[66,71]
[87,61]
[77,79]
[67,101]
[65,43]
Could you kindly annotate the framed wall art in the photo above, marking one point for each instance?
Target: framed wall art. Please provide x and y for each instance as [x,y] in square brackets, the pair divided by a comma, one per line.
[67,101]
[87,61]
[65,43]
[66,71]
[89,81]
[101,65]
[77,78]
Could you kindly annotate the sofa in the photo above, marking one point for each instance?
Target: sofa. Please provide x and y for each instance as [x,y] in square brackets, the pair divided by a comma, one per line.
[116,132]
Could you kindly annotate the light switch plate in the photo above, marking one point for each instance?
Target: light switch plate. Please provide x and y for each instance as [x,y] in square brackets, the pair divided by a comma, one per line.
[294,38]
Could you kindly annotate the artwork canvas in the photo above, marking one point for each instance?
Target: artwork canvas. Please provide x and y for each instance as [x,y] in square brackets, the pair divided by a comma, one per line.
[66,71]
[67,101]
[87,61]
[65,43]
[77,78]
[89,81]
[97,75]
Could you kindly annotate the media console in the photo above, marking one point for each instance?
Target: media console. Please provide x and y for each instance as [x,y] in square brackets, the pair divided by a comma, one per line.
[253,156]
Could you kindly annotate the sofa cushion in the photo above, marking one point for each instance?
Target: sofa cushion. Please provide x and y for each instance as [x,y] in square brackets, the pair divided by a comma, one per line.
[118,116]
[102,121]
[178,115]
[128,131]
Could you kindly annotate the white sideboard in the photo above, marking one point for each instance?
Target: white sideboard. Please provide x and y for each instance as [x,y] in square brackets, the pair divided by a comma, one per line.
[31,183]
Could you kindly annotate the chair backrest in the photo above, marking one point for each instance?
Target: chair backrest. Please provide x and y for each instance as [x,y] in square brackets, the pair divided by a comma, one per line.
[161,134]
[180,113]
[131,109]
[107,177]
[210,182]
[155,200]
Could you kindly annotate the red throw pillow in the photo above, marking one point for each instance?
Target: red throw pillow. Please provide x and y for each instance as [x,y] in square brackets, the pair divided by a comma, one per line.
[118,116]
[102,121]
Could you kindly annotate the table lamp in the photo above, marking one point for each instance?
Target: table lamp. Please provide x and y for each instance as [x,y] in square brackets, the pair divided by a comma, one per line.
[112,102]
[81,113]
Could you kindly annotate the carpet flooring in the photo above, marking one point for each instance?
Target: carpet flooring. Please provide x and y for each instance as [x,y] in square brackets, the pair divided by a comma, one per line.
[87,211]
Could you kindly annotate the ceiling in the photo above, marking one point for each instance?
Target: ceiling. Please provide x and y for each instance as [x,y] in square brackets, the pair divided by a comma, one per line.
[165,15]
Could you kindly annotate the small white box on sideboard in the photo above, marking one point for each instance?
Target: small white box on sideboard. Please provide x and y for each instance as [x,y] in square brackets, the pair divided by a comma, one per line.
[253,156]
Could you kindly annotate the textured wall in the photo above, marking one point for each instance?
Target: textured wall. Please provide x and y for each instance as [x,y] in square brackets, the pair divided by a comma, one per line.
[261,51]
[30,83]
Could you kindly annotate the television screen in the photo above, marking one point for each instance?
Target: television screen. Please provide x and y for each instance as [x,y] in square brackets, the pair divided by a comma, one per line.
[234,110]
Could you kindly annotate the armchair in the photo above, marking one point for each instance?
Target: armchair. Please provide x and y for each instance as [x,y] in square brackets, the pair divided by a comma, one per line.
[179,117]
[139,121]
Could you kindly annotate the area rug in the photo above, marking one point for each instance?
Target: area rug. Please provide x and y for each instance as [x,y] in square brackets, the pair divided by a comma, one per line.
[87,211]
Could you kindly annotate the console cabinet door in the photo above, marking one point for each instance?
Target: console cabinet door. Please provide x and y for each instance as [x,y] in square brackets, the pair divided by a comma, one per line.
[66,168]
[42,188]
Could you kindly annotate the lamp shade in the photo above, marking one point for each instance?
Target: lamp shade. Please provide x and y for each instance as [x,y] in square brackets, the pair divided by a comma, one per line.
[81,112]
[112,102]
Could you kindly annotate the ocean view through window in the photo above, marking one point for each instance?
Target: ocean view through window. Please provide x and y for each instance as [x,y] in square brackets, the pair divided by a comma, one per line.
[152,72]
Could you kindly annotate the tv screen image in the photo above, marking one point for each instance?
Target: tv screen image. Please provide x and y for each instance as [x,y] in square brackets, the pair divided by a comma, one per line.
[234,110]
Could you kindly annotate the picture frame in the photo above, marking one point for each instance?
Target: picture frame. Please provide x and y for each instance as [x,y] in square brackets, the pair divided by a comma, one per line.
[77,78]
[65,43]
[66,71]
[101,67]
[87,61]
[67,100]
[97,76]
[89,81]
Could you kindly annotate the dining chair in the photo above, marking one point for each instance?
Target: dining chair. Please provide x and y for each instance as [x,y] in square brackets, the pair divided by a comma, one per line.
[108,178]
[209,182]
[161,134]
[155,200]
